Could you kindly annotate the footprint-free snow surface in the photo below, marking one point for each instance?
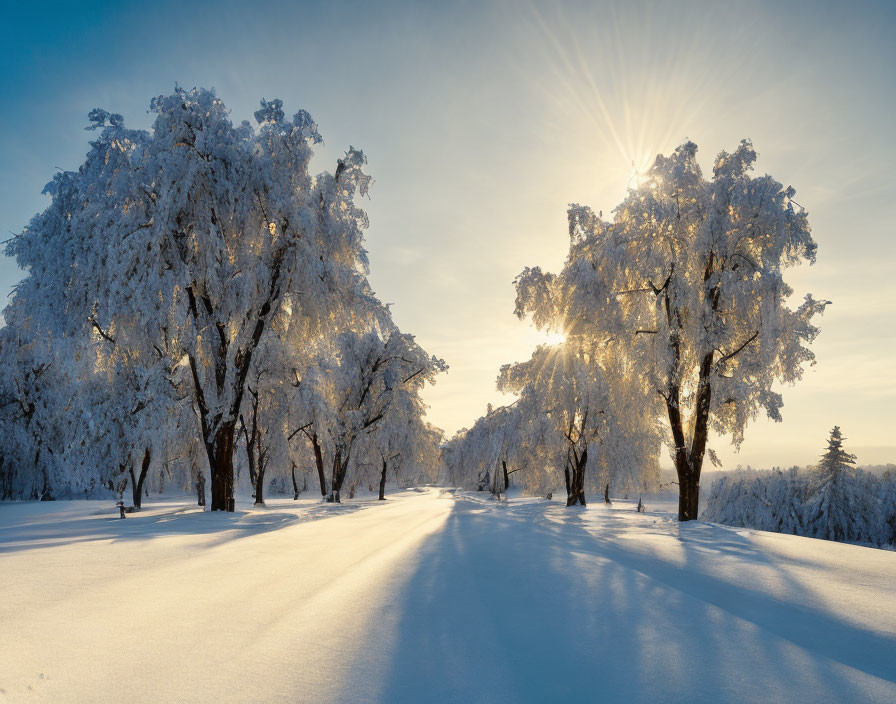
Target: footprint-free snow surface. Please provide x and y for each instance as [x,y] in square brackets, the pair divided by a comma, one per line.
[433,596]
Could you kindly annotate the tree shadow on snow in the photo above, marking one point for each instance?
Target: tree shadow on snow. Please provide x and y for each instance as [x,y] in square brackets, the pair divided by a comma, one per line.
[525,604]
[66,527]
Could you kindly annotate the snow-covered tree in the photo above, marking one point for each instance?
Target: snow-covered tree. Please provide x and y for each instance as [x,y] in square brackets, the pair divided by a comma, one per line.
[686,283]
[262,432]
[372,378]
[402,447]
[842,504]
[772,501]
[485,456]
[32,395]
[453,467]
[584,401]
[188,239]
[312,415]
[139,410]
[578,420]
[406,444]
[507,424]
[84,414]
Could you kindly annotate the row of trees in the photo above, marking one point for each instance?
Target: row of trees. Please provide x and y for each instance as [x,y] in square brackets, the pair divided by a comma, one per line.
[577,423]
[833,501]
[192,291]
[677,324]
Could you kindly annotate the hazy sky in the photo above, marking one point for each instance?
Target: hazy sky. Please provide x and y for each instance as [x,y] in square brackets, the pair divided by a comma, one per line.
[482,122]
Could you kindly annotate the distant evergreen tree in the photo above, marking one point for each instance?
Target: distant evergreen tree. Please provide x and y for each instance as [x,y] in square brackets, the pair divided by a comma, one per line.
[840,506]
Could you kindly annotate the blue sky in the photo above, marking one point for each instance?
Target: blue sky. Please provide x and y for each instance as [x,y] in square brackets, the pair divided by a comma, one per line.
[482,121]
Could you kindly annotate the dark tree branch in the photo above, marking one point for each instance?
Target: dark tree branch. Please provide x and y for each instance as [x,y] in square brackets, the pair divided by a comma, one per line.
[299,430]
[96,326]
[731,355]
[419,371]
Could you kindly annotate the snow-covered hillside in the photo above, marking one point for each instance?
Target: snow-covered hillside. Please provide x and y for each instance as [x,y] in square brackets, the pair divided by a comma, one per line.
[433,596]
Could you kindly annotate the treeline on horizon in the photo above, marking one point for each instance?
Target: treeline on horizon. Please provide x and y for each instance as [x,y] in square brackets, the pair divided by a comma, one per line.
[833,500]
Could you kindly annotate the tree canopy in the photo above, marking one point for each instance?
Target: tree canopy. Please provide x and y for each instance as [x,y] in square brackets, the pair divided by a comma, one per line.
[200,265]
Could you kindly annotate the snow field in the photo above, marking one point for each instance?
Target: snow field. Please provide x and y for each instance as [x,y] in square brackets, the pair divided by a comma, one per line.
[434,596]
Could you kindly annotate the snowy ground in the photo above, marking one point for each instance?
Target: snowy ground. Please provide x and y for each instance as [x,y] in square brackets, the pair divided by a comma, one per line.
[432,596]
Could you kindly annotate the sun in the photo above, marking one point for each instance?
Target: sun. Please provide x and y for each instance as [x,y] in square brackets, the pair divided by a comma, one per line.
[555,338]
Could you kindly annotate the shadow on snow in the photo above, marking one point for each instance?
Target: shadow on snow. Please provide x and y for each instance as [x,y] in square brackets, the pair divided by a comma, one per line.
[500,612]
[65,527]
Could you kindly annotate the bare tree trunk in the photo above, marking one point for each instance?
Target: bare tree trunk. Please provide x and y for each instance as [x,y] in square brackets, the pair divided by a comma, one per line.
[200,489]
[583,464]
[383,481]
[137,483]
[144,469]
[295,484]
[690,468]
[688,473]
[220,459]
[688,482]
[340,467]
[259,486]
[506,476]
[607,494]
[575,493]
[688,493]
[250,455]
[319,461]
[689,478]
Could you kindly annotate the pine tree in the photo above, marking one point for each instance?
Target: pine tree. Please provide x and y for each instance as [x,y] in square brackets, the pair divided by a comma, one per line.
[835,459]
[839,506]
